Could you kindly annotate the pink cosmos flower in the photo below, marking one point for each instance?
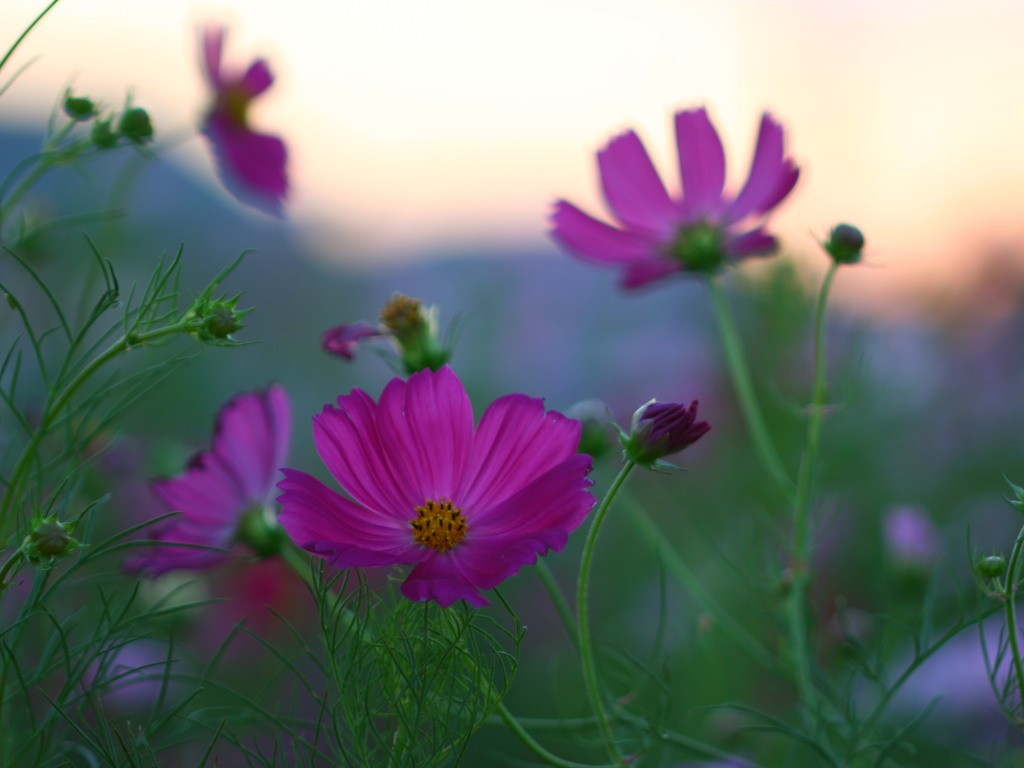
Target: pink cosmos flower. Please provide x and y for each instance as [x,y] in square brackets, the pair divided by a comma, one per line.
[700,231]
[252,165]
[222,497]
[468,507]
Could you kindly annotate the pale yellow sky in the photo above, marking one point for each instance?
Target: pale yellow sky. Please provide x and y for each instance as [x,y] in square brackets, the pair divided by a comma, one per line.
[419,122]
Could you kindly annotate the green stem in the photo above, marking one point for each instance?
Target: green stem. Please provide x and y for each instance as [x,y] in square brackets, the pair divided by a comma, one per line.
[531,744]
[797,599]
[24,34]
[54,409]
[561,604]
[1009,602]
[678,568]
[586,646]
[745,391]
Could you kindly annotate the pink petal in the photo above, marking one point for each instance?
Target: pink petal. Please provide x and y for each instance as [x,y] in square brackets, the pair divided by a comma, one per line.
[701,162]
[772,176]
[213,46]
[633,188]
[439,578]
[426,425]
[207,492]
[251,438]
[253,166]
[555,502]
[323,521]
[486,564]
[516,442]
[594,240]
[342,340]
[210,547]
[756,242]
[640,274]
[348,440]
[256,79]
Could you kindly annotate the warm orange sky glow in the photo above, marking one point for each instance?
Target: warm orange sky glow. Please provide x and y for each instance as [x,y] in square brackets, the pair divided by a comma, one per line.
[415,123]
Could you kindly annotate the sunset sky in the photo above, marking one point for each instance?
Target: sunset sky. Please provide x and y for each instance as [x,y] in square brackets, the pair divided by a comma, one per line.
[419,123]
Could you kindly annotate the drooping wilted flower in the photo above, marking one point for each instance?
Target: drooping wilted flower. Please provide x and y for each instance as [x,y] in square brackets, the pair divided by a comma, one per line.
[467,506]
[702,230]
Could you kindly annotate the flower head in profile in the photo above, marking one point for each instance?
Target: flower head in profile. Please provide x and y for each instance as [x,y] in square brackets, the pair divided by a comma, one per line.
[411,327]
[222,497]
[702,230]
[467,505]
[252,165]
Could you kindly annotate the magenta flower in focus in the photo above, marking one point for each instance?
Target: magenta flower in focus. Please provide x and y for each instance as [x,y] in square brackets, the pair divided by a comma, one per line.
[252,165]
[700,231]
[467,506]
[222,497]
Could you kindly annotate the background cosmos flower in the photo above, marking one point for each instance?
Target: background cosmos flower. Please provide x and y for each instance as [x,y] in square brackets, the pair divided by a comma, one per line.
[469,507]
[252,165]
[700,231]
[234,478]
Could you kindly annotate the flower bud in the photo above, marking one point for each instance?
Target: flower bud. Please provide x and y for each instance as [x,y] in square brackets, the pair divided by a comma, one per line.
[596,437]
[414,328]
[214,320]
[136,126]
[48,540]
[991,567]
[661,429]
[103,135]
[79,108]
[845,244]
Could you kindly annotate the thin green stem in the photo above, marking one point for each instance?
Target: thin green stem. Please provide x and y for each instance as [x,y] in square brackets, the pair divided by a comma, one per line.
[797,598]
[531,744]
[586,645]
[689,580]
[53,410]
[24,34]
[1010,604]
[561,604]
[740,374]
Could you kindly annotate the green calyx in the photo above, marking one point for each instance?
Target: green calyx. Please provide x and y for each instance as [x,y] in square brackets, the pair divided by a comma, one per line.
[700,247]
[49,539]
[260,531]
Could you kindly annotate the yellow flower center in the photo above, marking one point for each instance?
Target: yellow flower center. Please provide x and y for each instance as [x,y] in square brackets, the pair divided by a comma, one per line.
[439,525]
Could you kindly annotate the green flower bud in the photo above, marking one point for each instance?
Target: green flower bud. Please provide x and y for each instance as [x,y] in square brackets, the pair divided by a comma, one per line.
[79,108]
[48,540]
[103,135]
[845,244]
[222,321]
[991,567]
[414,328]
[136,126]
[596,437]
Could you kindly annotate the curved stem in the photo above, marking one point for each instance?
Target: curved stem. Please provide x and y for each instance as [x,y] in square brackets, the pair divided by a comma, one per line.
[586,646]
[531,744]
[797,600]
[740,374]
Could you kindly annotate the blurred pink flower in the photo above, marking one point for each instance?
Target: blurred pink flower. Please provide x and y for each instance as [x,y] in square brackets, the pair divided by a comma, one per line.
[221,498]
[911,537]
[342,340]
[468,506]
[252,165]
[702,230]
